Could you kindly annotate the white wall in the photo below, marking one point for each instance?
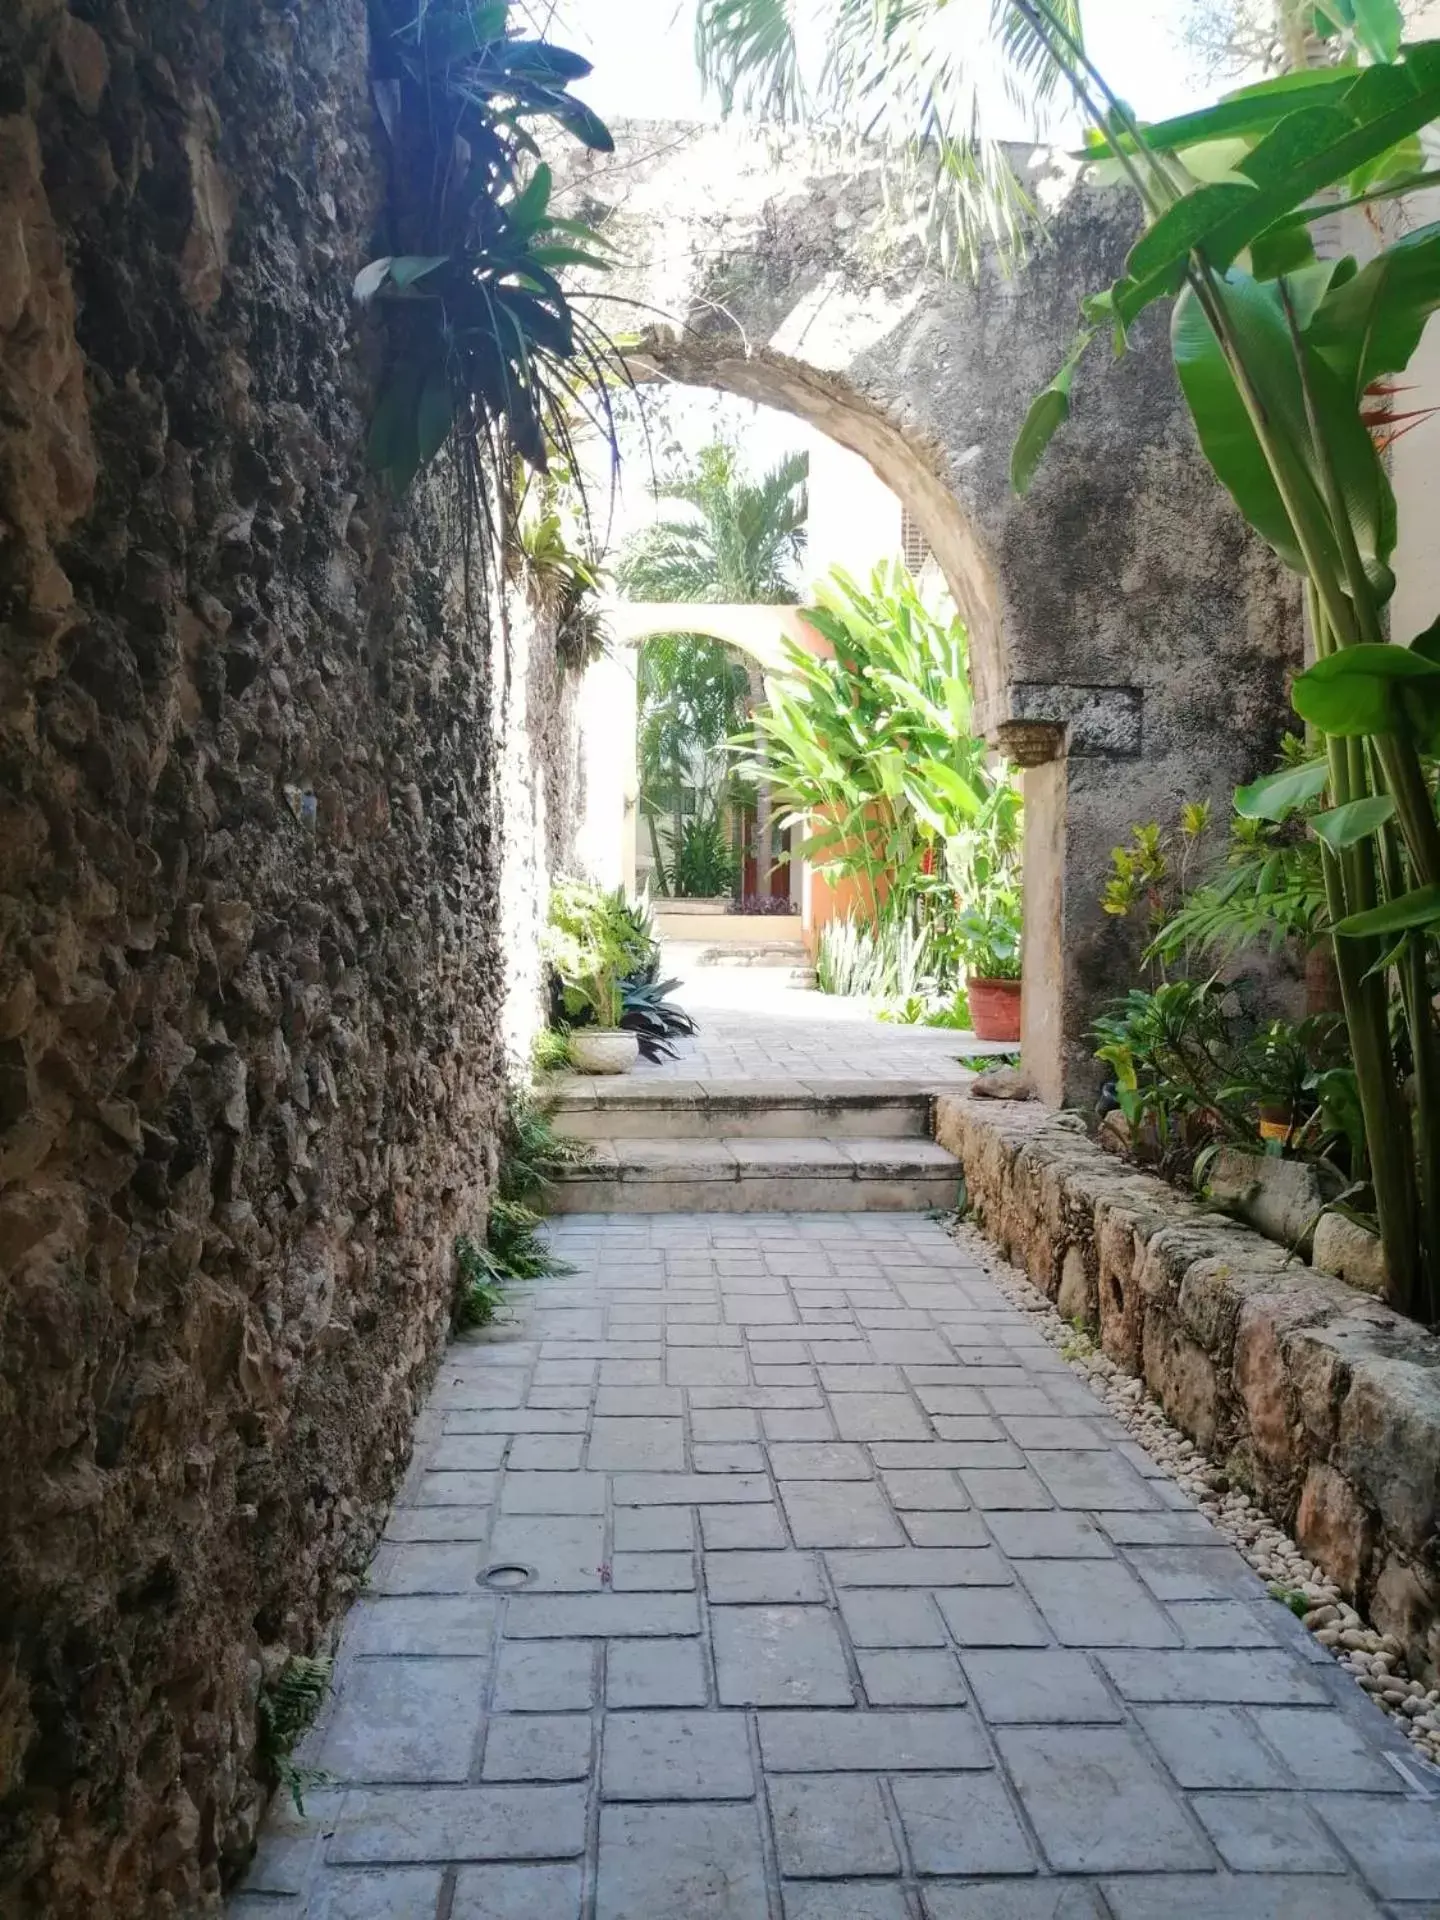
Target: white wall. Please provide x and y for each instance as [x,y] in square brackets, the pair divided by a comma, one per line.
[854,517]
[605,842]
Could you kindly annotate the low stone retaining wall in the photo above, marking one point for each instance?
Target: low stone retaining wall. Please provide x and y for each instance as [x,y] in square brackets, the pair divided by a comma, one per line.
[1317,1398]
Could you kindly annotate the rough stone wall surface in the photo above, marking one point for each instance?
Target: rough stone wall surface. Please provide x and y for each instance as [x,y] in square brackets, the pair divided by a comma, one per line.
[250,966]
[1314,1396]
[1120,616]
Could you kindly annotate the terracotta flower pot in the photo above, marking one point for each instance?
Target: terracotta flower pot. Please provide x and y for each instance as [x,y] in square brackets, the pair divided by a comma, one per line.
[995,1008]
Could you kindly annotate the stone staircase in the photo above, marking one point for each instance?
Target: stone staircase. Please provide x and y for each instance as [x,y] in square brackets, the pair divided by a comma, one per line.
[675,1146]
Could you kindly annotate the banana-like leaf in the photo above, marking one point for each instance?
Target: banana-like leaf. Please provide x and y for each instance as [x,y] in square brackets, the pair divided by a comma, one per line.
[1368,689]
[1255,315]
[1418,909]
[1277,795]
[1049,411]
[1251,110]
[1343,826]
[1371,323]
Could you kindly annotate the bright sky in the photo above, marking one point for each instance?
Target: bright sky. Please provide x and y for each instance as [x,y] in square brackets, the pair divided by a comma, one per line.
[645,67]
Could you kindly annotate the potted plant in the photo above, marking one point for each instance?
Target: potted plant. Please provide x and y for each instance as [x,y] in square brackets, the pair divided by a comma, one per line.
[989,947]
[589,943]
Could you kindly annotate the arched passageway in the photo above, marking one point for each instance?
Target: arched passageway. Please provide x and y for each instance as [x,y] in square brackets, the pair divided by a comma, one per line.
[1129,644]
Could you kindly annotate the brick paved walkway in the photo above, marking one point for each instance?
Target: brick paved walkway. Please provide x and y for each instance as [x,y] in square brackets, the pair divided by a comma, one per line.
[846,1601]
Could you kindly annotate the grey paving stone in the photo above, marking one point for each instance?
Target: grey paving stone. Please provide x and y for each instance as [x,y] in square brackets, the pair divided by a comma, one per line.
[928,1741]
[544,1678]
[838,1513]
[1394,1842]
[565,1550]
[728,1456]
[1097,1803]
[952,1398]
[654,1530]
[430,1567]
[1193,1573]
[1322,1749]
[831,1828]
[1004,1490]
[1260,1676]
[434,1624]
[676,1756]
[636,1446]
[438,1523]
[467,1452]
[1037,1687]
[926,1489]
[1098,1482]
[796,1423]
[639,1403]
[653,1573]
[553,1493]
[962,1824]
[910,1677]
[1223,1623]
[690,1489]
[1074,1434]
[872,1380]
[878,1416]
[404,1719]
[891,1617]
[964,1529]
[575,1616]
[705,1367]
[1271,1897]
[537,1746]
[1189,1528]
[724,1528]
[658,1863]
[1095,1603]
[655,1673]
[779,1656]
[846,1900]
[1022,1900]
[748,1577]
[919,1567]
[515,1893]
[1049,1536]
[819,1460]
[719,1424]
[1211,1747]
[546,1452]
[917,1455]
[521,1420]
[387,1895]
[1267,1833]
[400,1825]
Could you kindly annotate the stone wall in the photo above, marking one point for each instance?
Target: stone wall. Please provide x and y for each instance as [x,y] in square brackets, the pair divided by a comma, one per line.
[251,976]
[1130,643]
[1314,1397]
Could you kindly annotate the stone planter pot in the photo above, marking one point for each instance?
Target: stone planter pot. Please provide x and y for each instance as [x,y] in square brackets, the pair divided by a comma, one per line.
[609,1051]
[994,1008]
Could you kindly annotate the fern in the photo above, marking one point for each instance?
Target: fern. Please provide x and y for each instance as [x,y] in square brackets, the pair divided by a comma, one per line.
[287,1709]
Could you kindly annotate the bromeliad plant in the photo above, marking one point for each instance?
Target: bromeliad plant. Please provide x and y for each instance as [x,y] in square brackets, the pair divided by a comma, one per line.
[1287,363]
[486,353]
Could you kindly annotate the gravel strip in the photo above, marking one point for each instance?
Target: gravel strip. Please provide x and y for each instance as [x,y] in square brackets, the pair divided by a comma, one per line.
[1374,1660]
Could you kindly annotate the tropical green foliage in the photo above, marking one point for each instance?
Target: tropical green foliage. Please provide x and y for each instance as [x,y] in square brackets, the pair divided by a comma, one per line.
[287,1707]
[728,540]
[888,959]
[872,754]
[913,78]
[1193,1068]
[591,942]
[562,584]
[486,353]
[512,1249]
[1287,364]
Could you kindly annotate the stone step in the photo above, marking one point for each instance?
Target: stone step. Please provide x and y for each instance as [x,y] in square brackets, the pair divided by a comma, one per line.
[635,1106]
[749,1175]
[778,953]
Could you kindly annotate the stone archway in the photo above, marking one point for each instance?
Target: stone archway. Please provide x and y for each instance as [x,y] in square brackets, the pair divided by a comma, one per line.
[1130,643]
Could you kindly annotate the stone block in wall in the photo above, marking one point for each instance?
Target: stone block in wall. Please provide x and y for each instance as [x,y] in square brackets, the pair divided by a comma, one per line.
[1389,1442]
[1182,1376]
[1334,1526]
